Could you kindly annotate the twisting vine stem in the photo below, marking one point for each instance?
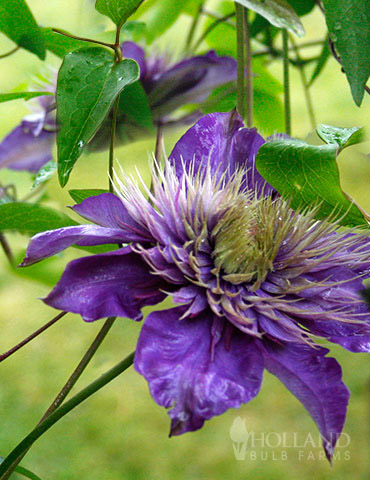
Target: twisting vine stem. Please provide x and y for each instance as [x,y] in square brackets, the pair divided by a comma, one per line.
[7,250]
[12,459]
[248,69]
[118,54]
[7,54]
[59,399]
[212,27]
[193,27]
[305,84]
[35,334]
[240,53]
[287,109]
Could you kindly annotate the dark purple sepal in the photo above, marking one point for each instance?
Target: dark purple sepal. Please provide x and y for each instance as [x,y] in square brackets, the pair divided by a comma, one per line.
[191,372]
[108,211]
[47,244]
[317,383]
[111,284]
[221,140]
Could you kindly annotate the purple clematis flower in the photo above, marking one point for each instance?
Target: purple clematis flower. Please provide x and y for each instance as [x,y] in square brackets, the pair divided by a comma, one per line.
[253,281]
[190,81]
[29,145]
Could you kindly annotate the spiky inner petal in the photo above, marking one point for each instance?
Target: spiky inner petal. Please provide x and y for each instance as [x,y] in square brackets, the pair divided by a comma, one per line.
[254,261]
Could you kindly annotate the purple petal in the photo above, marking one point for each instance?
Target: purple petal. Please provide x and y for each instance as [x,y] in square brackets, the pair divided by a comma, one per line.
[188,371]
[22,150]
[108,211]
[190,81]
[49,243]
[316,381]
[111,284]
[133,51]
[221,140]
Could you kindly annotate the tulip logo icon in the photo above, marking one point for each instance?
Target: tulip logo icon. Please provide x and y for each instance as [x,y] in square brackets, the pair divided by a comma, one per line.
[239,436]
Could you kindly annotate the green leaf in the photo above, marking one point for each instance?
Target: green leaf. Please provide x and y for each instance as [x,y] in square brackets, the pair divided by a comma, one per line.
[89,80]
[308,175]
[59,44]
[18,24]
[46,272]
[277,12]
[302,7]
[27,473]
[118,10]
[340,137]
[6,97]
[30,218]
[45,173]
[81,195]
[134,31]
[349,27]
[24,471]
[133,103]
[160,15]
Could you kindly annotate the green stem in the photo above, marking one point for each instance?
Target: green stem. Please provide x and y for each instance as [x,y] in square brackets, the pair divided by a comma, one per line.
[59,399]
[240,54]
[305,85]
[216,16]
[80,367]
[248,70]
[159,145]
[210,28]
[193,27]
[118,53]
[36,433]
[7,250]
[287,110]
[83,39]
[112,140]
[7,54]
[31,337]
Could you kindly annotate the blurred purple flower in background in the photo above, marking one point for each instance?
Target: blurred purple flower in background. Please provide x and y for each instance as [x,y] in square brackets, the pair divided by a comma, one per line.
[29,145]
[254,282]
[191,81]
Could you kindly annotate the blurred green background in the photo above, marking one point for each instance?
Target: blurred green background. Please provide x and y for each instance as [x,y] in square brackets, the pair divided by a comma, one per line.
[120,433]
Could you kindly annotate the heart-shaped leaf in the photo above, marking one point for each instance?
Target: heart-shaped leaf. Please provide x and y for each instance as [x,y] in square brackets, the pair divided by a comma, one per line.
[308,175]
[18,24]
[88,82]
[277,12]
[118,10]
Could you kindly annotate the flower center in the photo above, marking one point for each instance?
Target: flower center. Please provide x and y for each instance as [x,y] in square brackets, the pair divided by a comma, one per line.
[247,239]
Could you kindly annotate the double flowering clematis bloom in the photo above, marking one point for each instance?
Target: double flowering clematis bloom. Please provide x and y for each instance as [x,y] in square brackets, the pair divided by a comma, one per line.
[253,281]
[191,81]
[29,145]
